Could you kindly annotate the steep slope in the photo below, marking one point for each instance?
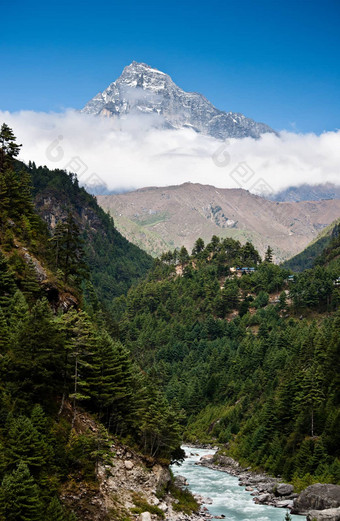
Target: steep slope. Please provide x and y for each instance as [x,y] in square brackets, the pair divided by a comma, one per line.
[307,258]
[69,391]
[115,264]
[142,89]
[163,218]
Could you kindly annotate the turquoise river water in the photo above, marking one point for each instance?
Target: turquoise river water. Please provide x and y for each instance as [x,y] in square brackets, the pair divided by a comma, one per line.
[228,497]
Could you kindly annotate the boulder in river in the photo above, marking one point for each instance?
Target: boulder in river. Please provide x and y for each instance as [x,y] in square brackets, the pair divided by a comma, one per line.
[283,489]
[330,514]
[317,497]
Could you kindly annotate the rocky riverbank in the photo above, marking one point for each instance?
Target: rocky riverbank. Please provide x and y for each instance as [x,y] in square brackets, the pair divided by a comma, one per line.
[128,486]
[264,488]
[131,483]
[319,502]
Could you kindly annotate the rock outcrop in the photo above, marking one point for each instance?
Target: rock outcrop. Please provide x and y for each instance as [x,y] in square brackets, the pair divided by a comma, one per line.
[331,514]
[320,496]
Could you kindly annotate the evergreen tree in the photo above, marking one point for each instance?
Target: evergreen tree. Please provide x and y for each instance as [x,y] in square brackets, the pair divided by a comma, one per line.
[7,284]
[9,149]
[55,511]
[109,377]
[39,352]
[79,341]
[68,250]
[269,255]
[183,256]
[25,444]
[19,496]
[198,247]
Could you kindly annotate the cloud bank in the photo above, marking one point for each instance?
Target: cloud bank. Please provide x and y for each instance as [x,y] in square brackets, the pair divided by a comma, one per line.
[134,152]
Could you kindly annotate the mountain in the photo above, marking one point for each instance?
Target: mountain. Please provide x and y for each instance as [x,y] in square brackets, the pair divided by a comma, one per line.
[159,219]
[308,192]
[142,89]
[115,264]
[307,258]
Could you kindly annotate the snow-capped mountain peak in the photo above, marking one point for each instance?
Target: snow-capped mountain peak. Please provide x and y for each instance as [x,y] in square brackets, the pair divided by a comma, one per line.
[142,89]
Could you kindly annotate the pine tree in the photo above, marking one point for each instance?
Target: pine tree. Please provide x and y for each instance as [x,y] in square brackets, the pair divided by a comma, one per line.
[55,511]
[9,149]
[269,255]
[183,256]
[4,332]
[109,377]
[7,284]
[18,310]
[80,338]
[198,247]
[311,394]
[68,250]
[39,351]
[19,496]
[25,444]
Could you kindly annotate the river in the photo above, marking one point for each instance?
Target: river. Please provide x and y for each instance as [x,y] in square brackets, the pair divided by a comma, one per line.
[228,497]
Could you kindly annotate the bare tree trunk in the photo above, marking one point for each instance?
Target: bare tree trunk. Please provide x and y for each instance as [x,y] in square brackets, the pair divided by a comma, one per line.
[75,391]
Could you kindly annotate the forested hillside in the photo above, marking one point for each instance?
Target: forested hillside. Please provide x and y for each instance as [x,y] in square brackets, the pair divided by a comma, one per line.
[307,258]
[251,357]
[115,264]
[59,363]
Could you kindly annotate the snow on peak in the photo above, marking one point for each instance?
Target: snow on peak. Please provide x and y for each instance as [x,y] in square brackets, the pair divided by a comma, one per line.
[144,89]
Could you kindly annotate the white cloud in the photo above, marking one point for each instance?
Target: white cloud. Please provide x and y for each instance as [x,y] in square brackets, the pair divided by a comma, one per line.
[133,153]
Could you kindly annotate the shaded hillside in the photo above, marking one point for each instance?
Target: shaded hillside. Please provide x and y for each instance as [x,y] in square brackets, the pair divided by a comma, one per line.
[115,264]
[307,258]
[69,392]
[330,257]
[159,219]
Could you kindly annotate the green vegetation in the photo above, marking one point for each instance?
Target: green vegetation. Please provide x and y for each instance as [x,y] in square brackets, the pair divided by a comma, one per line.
[114,263]
[143,506]
[307,258]
[57,359]
[251,362]
[185,500]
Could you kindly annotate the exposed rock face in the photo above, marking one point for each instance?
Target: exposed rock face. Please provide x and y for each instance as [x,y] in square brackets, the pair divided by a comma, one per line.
[331,514]
[317,497]
[141,89]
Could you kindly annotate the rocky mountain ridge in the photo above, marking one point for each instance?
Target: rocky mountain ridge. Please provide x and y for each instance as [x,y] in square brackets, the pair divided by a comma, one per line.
[142,89]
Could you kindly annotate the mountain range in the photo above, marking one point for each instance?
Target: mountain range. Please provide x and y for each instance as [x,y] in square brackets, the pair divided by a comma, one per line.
[142,89]
[159,219]
[307,192]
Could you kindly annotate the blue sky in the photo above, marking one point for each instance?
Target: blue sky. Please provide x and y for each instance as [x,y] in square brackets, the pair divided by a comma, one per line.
[275,61]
